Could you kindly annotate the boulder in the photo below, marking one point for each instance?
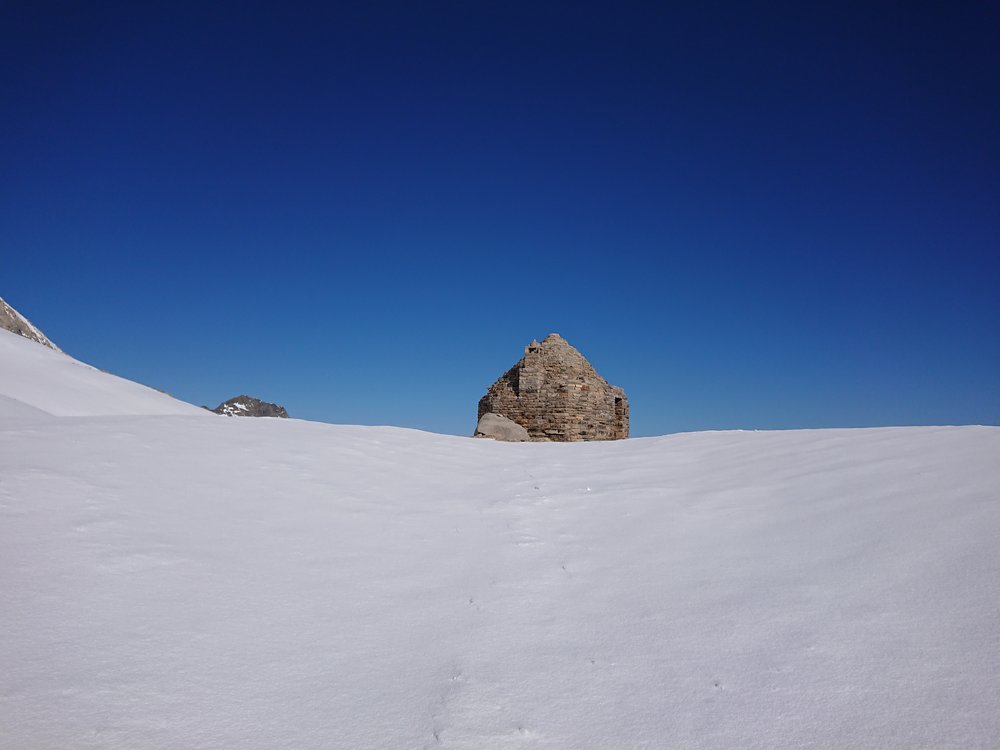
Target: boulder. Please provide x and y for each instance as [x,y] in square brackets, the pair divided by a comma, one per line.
[500,428]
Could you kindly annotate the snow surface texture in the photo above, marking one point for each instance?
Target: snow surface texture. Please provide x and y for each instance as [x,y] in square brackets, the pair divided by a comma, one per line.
[179,582]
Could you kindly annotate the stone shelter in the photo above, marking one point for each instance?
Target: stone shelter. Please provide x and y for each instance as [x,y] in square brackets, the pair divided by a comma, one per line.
[555,393]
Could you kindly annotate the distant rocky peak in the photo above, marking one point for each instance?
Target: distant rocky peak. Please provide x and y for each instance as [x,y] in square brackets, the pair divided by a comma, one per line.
[248,406]
[11,320]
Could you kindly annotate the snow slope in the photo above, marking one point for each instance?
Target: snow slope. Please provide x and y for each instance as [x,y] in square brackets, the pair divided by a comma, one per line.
[178,582]
[55,383]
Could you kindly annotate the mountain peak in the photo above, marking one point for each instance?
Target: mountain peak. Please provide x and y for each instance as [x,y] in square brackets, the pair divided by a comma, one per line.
[11,320]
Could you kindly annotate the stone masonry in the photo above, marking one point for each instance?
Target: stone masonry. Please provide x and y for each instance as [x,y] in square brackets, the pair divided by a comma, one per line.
[556,394]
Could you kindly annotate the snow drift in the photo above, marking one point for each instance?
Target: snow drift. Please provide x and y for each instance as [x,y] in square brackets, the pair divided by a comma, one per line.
[186,582]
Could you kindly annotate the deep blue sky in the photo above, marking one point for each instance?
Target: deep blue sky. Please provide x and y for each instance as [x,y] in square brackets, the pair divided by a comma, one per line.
[748,216]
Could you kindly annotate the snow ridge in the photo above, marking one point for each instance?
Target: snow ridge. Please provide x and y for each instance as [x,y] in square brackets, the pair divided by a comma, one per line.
[52,382]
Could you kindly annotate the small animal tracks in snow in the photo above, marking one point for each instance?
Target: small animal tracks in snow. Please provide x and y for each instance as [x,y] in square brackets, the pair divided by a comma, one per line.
[441,710]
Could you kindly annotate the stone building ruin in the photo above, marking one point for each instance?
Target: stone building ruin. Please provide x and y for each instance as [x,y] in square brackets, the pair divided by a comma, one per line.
[555,393]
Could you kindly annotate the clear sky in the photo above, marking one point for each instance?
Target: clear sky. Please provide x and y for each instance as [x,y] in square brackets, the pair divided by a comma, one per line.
[747,215]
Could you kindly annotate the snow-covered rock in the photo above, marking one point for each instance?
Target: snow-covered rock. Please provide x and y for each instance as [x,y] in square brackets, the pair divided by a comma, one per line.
[194,582]
[248,406]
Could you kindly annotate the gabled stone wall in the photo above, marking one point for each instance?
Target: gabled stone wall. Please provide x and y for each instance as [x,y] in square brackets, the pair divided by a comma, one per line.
[555,394]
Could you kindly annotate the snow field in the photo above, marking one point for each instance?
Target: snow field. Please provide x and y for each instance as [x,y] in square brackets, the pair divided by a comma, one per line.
[179,582]
[174,579]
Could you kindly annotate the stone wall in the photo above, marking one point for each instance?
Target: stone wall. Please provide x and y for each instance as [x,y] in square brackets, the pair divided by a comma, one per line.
[555,394]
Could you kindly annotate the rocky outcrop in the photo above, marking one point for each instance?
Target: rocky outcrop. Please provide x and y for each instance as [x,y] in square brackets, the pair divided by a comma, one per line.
[500,428]
[248,406]
[11,320]
[555,394]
